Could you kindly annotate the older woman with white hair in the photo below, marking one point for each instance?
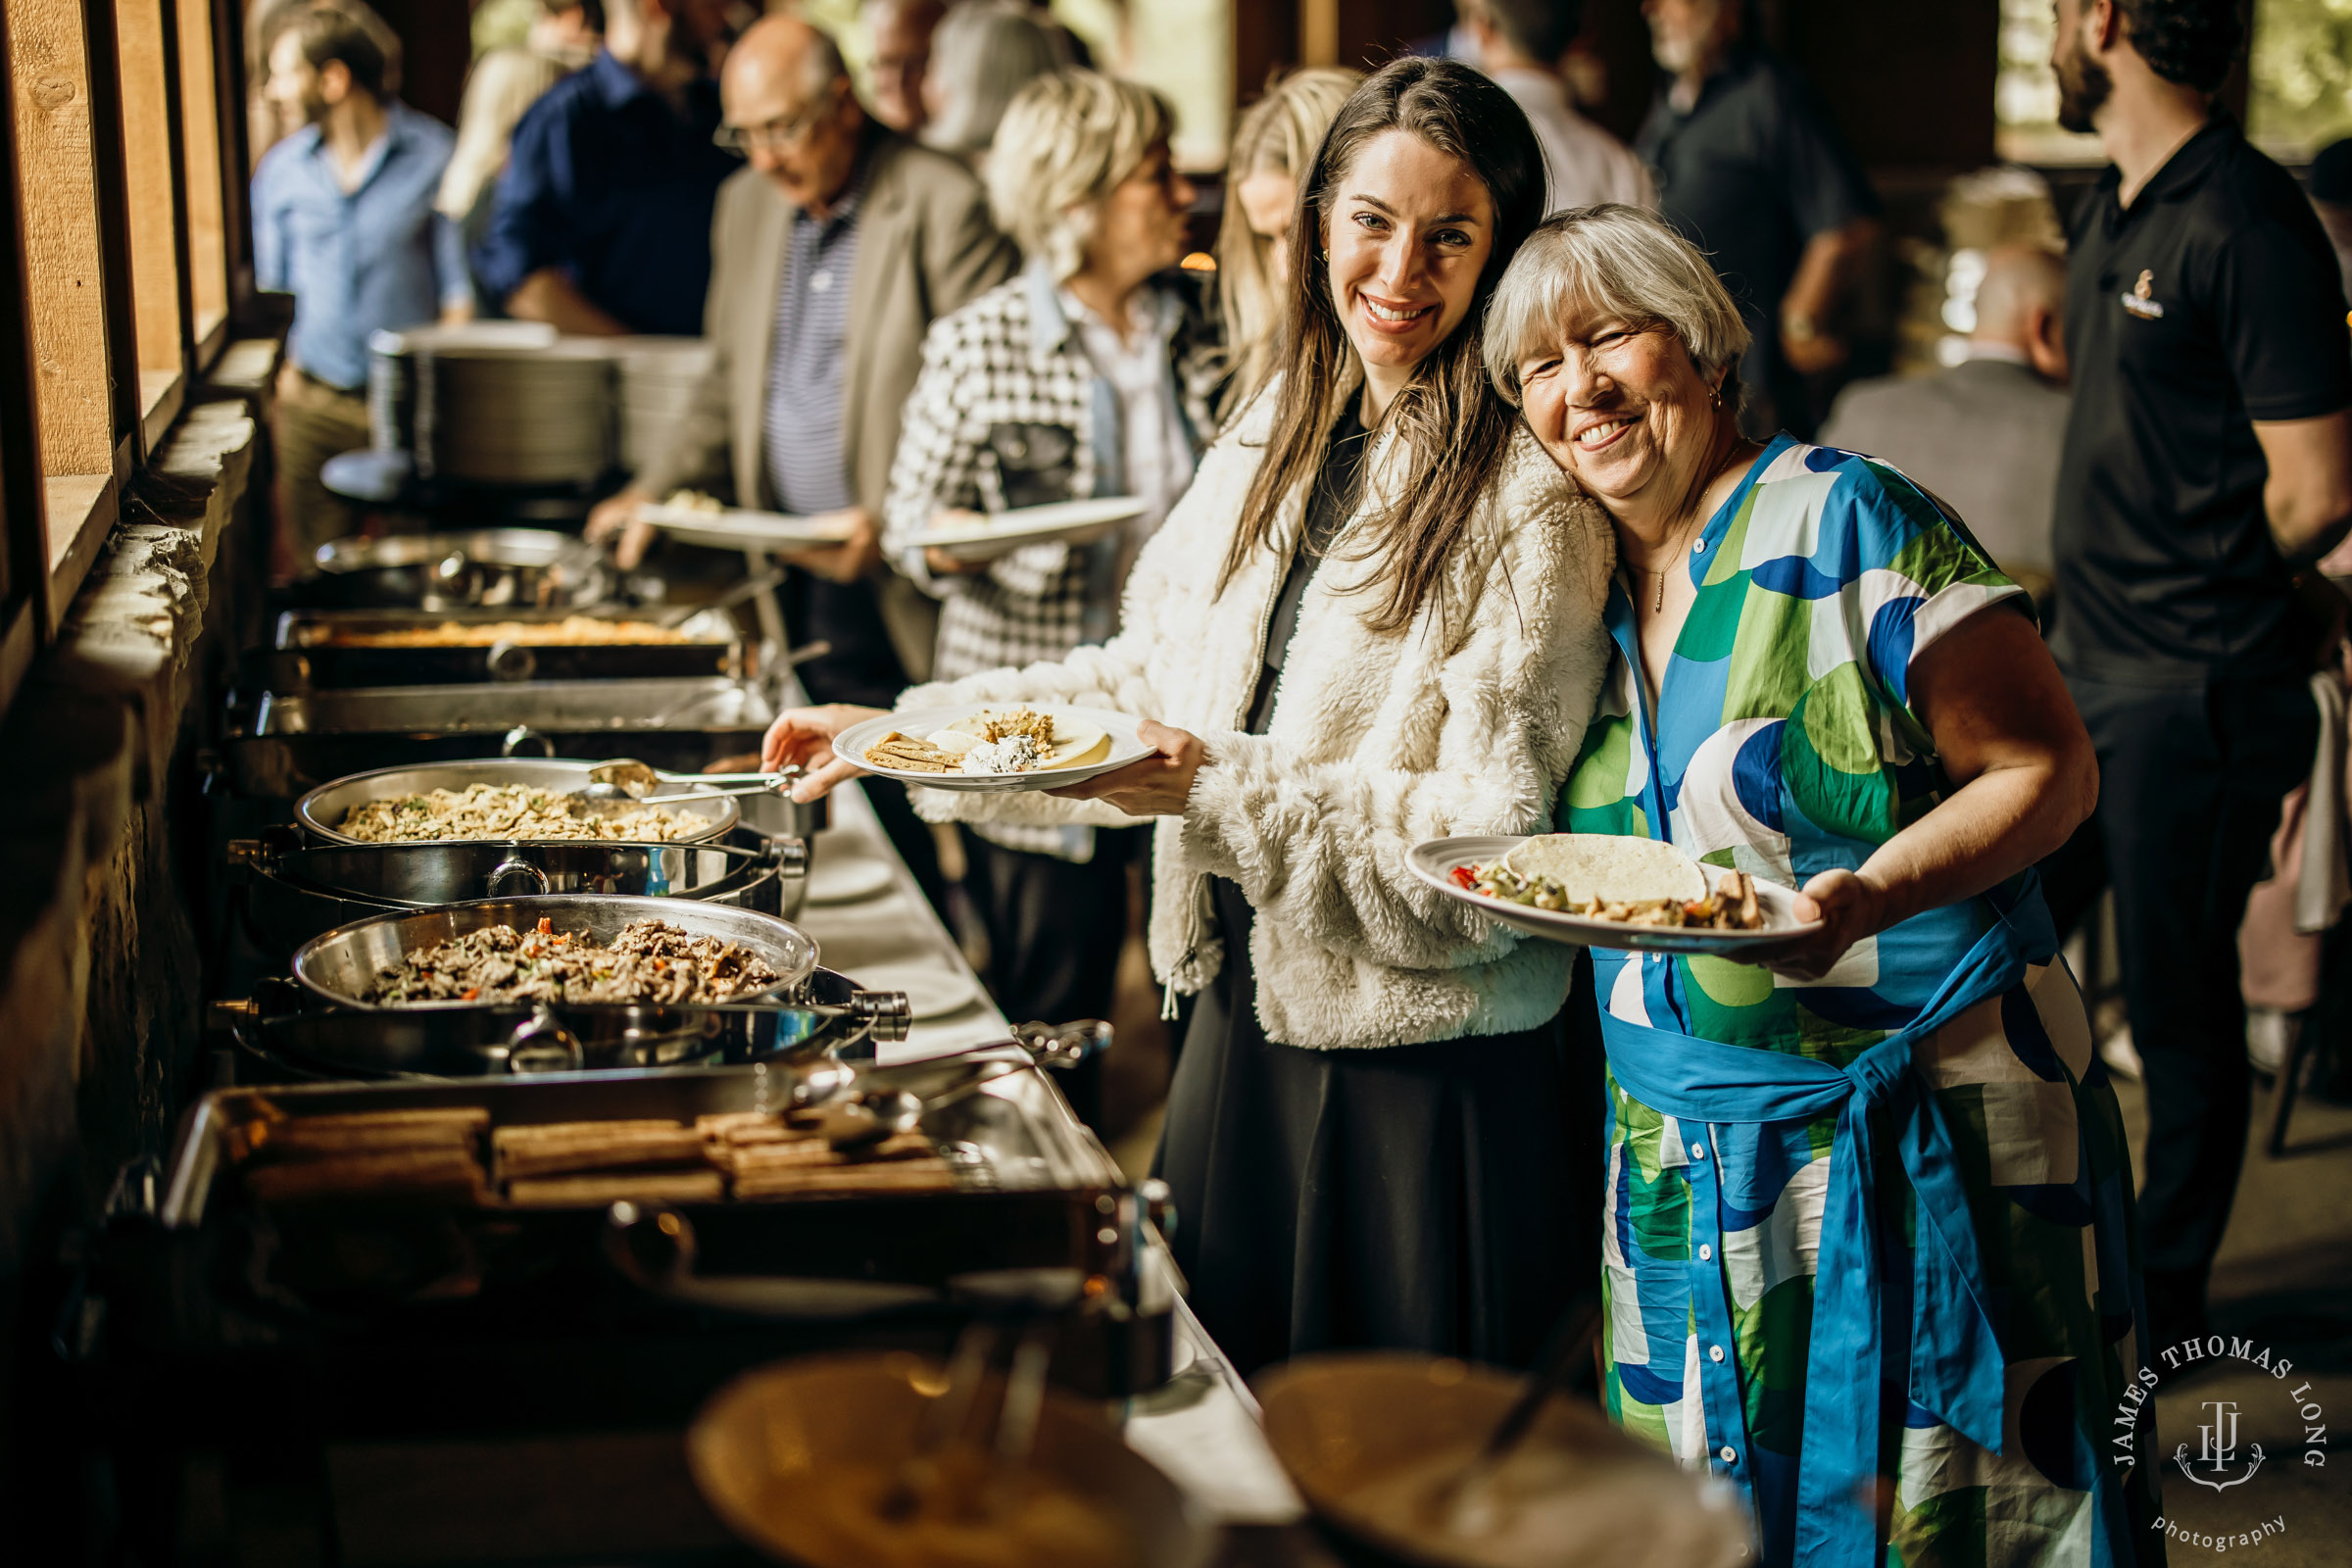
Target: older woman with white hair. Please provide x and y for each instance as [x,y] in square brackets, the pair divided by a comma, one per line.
[984,53]
[1869,1222]
[1086,375]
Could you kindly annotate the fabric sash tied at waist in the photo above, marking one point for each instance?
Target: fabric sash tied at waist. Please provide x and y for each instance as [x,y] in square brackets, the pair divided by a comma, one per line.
[1956,1372]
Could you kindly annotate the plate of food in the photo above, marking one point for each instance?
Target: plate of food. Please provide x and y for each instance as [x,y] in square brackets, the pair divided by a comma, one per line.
[975,536]
[1600,890]
[1002,749]
[701,520]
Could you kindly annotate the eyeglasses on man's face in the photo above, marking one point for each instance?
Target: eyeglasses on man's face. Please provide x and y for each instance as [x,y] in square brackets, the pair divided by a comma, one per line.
[784,134]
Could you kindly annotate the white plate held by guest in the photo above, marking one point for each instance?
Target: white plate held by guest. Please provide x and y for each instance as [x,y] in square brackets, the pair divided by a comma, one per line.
[734,528]
[1090,741]
[1434,862]
[1072,522]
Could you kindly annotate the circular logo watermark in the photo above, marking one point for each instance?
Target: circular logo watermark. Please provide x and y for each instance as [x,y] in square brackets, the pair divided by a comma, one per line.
[2217,1461]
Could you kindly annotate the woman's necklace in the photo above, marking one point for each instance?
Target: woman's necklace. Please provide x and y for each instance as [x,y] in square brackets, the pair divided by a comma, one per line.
[1658,603]
[1690,528]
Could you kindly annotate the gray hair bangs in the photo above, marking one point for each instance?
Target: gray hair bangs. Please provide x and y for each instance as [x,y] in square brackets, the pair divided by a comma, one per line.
[1067,141]
[1619,261]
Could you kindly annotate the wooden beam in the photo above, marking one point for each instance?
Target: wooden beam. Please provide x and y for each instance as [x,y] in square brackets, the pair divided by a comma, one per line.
[1319,33]
[201,162]
[49,81]
[24,554]
[149,95]
[236,159]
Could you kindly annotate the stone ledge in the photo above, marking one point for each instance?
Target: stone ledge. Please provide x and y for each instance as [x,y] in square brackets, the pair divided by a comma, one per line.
[133,628]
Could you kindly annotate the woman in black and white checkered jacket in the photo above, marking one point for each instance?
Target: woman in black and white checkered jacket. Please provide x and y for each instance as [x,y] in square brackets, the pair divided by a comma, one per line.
[1089,374]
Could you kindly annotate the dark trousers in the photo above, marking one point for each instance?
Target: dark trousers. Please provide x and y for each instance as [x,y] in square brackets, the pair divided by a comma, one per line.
[1054,930]
[2190,781]
[863,669]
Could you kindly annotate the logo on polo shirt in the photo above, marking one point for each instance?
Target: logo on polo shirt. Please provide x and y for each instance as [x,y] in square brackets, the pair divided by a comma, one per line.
[2142,301]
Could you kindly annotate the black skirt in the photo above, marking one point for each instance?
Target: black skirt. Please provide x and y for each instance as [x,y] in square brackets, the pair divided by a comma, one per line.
[1443,1198]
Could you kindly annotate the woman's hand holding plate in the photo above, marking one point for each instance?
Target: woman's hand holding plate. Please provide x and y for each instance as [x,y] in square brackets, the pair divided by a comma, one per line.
[1157,786]
[1849,906]
[802,737]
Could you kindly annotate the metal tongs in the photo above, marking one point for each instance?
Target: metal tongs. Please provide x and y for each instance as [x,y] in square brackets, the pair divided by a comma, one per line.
[860,1118]
[627,779]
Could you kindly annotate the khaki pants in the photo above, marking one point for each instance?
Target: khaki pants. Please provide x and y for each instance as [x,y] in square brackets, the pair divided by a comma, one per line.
[314,422]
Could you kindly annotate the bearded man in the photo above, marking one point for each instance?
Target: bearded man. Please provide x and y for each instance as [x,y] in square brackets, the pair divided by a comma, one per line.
[2207,468]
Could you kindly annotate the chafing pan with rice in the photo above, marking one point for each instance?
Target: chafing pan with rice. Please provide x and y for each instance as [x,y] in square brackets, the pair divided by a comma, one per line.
[497,798]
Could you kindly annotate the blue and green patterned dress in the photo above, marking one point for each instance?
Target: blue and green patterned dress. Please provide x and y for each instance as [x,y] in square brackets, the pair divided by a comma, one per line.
[1782,745]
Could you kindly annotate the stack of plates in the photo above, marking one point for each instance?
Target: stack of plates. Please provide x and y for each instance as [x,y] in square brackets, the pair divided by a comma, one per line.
[501,403]
[392,369]
[658,378]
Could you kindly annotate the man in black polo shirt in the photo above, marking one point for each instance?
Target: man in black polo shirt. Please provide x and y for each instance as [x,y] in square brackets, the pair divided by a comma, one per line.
[2208,462]
[1749,169]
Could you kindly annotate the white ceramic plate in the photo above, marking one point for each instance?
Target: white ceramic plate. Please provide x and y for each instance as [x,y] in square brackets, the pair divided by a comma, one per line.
[738,529]
[850,744]
[1073,522]
[1433,859]
[847,881]
[932,990]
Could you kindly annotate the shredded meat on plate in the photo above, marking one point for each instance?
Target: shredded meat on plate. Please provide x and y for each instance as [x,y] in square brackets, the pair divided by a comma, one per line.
[514,812]
[648,961]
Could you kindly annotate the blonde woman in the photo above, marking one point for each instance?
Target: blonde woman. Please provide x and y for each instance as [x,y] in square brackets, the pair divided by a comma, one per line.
[1273,144]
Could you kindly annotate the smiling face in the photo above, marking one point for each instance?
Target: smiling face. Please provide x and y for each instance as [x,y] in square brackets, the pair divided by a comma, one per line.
[1620,406]
[1406,235]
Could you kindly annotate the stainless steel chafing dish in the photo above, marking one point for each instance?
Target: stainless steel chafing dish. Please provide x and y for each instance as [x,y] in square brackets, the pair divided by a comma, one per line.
[308,654]
[283,1035]
[410,1316]
[486,567]
[283,745]
[293,891]
[322,812]
[340,966]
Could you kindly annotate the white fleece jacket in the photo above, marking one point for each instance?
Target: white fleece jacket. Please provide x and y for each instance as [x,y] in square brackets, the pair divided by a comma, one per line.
[1466,721]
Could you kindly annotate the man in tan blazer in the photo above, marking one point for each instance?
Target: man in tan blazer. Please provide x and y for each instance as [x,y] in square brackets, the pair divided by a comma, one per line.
[831,254]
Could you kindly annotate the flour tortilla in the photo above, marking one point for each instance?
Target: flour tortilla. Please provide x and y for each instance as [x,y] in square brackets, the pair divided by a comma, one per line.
[1612,868]
[1075,742]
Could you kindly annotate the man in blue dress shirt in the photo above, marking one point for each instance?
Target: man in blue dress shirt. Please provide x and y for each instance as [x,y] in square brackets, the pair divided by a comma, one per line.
[343,220]
[601,223]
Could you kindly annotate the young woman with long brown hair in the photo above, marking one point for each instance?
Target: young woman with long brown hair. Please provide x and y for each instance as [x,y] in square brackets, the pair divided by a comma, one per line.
[1375,618]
